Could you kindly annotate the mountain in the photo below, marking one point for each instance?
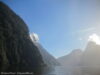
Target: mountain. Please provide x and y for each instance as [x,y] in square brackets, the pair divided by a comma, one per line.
[47,57]
[82,63]
[91,54]
[72,59]
[91,59]
[17,52]
[71,62]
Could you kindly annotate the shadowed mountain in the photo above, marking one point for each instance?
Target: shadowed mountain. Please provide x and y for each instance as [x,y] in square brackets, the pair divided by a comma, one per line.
[17,52]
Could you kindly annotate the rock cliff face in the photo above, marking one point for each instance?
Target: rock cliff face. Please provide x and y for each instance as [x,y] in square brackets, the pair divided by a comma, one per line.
[17,52]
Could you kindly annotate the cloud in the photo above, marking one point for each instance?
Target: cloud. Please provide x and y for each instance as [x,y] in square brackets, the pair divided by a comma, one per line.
[94,38]
[34,37]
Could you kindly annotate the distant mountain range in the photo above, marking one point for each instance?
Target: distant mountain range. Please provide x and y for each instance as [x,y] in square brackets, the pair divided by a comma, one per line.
[80,62]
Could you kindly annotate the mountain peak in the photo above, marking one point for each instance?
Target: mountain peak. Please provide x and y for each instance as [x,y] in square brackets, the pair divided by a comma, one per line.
[92,45]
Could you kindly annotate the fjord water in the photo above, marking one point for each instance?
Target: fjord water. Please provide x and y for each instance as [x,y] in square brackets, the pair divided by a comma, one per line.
[58,70]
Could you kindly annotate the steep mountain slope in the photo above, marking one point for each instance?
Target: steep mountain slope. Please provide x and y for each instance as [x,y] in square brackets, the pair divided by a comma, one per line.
[91,54]
[91,59]
[17,52]
[47,58]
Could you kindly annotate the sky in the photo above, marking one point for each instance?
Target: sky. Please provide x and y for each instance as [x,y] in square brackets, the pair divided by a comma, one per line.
[61,25]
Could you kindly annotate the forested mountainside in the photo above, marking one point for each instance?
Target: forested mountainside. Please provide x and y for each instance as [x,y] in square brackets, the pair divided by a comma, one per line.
[17,52]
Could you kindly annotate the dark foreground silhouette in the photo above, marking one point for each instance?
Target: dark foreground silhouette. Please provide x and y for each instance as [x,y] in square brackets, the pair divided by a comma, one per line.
[17,52]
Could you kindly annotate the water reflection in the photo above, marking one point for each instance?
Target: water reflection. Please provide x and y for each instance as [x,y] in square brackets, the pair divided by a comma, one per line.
[58,70]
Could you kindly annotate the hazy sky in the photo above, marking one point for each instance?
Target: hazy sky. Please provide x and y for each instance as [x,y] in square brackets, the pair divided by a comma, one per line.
[62,25]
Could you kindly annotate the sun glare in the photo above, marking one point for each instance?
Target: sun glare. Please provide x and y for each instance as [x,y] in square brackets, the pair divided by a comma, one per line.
[94,38]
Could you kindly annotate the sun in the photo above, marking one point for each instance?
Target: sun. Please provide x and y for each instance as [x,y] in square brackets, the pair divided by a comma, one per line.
[94,38]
